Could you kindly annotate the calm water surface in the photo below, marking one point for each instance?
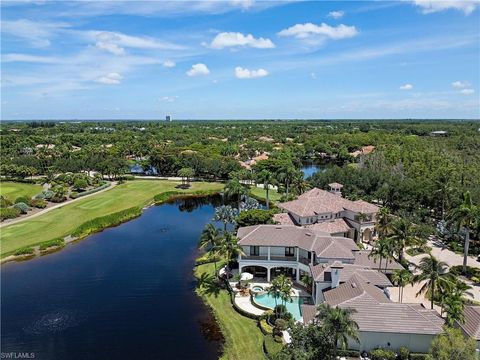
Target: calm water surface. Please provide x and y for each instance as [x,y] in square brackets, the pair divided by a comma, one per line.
[310,168]
[127,292]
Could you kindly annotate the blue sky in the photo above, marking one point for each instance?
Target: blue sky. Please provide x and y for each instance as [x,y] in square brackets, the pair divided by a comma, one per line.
[240,59]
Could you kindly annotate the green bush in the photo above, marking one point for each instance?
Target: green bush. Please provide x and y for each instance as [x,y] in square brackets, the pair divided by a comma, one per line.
[265,327]
[103,222]
[382,354]
[22,199]
[9,213]
[73,195]
[92,191]
[38,203]
[255,217]
[418,356]
[348,353]
[4,202]
[471,271]
[22,207]
[51,243]
[27,250]
[403,353]
[46,195]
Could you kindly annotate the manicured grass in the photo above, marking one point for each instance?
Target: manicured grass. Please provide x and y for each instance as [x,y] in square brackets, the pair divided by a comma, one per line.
[63,221]
[259,193]
[243,338]
[12,190]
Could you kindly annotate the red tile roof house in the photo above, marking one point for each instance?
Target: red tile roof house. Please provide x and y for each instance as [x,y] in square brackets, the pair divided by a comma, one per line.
[328,211]
[342,275]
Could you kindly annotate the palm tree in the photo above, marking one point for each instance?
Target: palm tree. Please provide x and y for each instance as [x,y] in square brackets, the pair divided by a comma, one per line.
[383,223]
[210,239]
[403,234]
[274,290]
[300,185]
[225,214]
[286,176]
[432,271]
[401,278]
[186,173]
[234,188]
[465,217]
[381,250]
[454,301]
[267,178]
[339,322]
[228,247]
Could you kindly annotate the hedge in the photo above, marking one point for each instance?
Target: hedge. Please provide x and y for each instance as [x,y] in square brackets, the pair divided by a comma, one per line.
[51,243]
[103,222]
[382,354]
[348,353]
[417,356]
[93,191]
[9,213]
[265,327]
[26,250]
[172,195]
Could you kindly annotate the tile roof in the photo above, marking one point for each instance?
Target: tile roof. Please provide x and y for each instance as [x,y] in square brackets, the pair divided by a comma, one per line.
[332,227]
[322,273]
[324,245]
[471,326]
[335,185]
[308,313]
[362,259]
[283,219]
[318,201]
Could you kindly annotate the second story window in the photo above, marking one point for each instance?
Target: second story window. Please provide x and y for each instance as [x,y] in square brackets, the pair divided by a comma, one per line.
[255,250]
[289,251]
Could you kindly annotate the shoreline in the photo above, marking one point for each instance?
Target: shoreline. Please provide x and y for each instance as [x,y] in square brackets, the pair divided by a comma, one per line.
[158,199]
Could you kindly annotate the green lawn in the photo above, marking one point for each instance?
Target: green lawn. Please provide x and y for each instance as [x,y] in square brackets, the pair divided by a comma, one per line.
[12,190]
[259,193]
[243,338]
[62,221]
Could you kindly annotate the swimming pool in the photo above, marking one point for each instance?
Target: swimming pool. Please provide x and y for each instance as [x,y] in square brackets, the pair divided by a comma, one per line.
[293,306]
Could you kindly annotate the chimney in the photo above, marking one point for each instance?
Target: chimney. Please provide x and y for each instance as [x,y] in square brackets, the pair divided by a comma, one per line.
[336,188]
[336,270]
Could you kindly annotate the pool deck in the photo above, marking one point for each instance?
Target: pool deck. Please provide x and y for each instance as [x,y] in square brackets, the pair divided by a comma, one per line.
[244,302]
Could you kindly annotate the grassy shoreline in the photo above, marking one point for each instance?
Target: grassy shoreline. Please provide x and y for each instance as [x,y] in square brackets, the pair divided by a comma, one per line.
[243,338]
[66,220]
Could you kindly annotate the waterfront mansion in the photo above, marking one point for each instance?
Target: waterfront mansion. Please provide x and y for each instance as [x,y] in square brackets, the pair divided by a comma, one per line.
[330,212]
[334,270]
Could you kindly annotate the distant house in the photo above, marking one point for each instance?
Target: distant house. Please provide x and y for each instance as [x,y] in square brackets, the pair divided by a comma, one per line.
[328,211]
[439,133]
[249,163]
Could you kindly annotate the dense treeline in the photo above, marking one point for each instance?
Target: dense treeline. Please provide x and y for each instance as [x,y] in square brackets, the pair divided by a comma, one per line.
[410,170]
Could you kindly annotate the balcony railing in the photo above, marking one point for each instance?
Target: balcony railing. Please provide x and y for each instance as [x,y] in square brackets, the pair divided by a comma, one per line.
[276,258]
[254,257]
[304,261]
[283,258]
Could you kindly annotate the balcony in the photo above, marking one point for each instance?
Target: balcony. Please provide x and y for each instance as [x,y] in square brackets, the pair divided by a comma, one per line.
[254,257]
[283,258]
[304,261]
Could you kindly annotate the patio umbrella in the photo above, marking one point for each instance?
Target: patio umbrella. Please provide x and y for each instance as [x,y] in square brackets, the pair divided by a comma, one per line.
[246,276]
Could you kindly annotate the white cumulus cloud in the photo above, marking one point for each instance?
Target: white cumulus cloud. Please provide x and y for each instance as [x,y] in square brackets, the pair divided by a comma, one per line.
[169,63]
[467,91]
[242,73]
[302,31]
[198,69]
[110,47]
[232,39]
[336,14]
[169,99]
[460,84]
[432,6]
[110,79]
[406,87]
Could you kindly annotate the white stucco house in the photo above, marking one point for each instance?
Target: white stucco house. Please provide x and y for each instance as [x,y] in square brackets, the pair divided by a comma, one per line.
[328,211]
[340,274]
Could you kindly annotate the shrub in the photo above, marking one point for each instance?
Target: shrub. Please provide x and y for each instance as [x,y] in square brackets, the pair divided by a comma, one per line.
[280,325]
[27,250]
[47,195]
[92,191]
[50,243]
[22,207]
[4,202]
[418,356]
[22,199]
[382,354]
[9,213]
[80,184]
[38,203]
[254,217]
[103,222]
[403,353]
[265,327]
[348,353]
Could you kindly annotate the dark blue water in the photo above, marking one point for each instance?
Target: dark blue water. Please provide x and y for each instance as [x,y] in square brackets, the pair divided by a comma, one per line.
[124,293]
[311,168]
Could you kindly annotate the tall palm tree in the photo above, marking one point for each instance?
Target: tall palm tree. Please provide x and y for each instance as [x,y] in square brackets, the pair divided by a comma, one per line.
[210,240]
[286,176]
[186,173]
[466,217]
[300,185]
[433,272]
[383,223]
[234,188]
[381,250]
[454,301]
[225,214]
[338,322]
[401,278]
[403,234]
[228,247]
[275,290]
[267,178]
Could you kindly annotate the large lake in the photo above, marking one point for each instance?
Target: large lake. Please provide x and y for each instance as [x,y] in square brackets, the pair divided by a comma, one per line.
[124,293]
[309,168]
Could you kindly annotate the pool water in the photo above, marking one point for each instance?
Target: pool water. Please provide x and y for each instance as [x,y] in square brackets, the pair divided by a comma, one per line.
[293,306]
